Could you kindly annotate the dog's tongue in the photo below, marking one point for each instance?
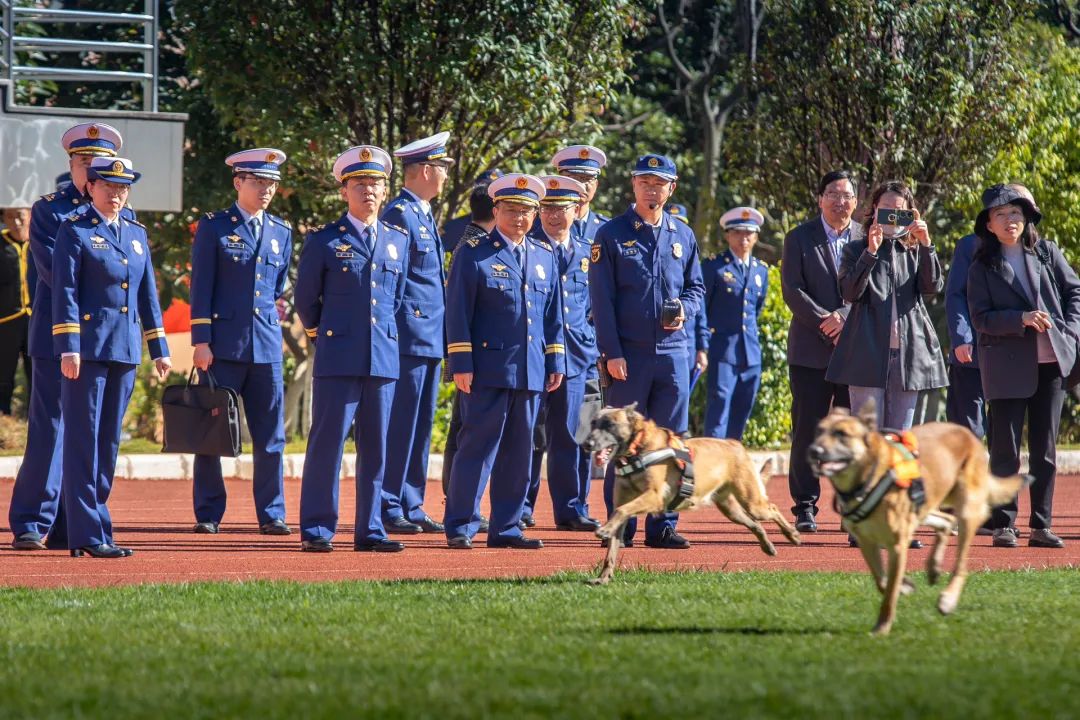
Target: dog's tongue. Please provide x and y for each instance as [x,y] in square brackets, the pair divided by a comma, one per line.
[600,457]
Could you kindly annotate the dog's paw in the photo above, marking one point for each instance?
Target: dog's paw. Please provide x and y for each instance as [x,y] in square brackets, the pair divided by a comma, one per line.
[907,586]
[947,603]
[795,538]
[603,532]
[881,629]
[598,581]
[768,548]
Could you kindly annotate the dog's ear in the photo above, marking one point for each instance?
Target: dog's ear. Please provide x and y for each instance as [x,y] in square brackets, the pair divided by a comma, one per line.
[868,413]
[631,408]
[840,411]
[632,414]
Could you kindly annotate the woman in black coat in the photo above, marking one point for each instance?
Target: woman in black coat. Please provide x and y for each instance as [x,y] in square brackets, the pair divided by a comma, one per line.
[888,350]
[1025,304]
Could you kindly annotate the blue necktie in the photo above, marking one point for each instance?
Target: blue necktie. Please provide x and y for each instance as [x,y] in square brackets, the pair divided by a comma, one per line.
[254,223]
[519,255]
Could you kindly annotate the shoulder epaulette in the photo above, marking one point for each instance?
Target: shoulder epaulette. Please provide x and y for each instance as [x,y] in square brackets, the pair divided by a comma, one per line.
[136,222]
[49,198]
[544,244]
[317,228]
[400,229]
[209,216]
[280,221]
[474,241]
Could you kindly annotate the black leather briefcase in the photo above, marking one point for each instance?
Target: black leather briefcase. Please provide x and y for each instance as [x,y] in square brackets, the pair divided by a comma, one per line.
[201,419]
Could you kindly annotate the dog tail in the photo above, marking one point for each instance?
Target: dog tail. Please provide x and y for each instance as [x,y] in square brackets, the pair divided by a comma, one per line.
[1005,490]
[766,468]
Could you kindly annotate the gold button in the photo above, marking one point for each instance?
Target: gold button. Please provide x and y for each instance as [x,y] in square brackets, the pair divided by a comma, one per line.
[528,303]
[344,268]
[372,321]
[564,278]
[417,313]
[258,294]
[86,316]
[743,327]
[258,259]
[124,261]
[124,285]
[483,344]
[374,301]
[235,259]
[566,308]
[215,316]
[529,320]
[373,284]
[75,201]
[258,276]
[329,333]
[123,309]
[744,315]
[256,311]
[565,294]
[712,331]
[530,338]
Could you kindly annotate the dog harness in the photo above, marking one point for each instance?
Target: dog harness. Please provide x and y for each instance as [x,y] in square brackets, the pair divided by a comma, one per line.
[903,473]
[633,463]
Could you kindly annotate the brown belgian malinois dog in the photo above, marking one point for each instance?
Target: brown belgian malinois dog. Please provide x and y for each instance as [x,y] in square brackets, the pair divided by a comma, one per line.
[651,477]
[935,474]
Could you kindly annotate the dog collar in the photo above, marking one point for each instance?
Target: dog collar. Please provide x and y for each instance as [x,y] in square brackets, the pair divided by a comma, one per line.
[682,456]
[903,473]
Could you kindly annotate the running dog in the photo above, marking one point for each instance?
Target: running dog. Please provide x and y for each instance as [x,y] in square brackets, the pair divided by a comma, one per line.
[888,484]
[652,476]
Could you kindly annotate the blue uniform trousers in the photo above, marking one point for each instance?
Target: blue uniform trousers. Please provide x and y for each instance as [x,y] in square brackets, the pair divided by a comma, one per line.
[35,499]
[409,437]
[730,399]
[93,407]
[495,440]
[259,385]
[567,464]
[660,385]
[336,402]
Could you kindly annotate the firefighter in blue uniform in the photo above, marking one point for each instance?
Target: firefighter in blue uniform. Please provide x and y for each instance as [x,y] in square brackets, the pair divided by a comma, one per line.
[105,303]
[583,163]
[421,340]
[505,343]
[641,262]
[349,288]
[239,264]
[736,284]
[567,463]
[36,514]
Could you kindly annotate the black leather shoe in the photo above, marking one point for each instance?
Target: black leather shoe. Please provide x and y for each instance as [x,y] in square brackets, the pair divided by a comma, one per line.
[805,523]
[430,526]
[319,545]
[1043,538]
[102,551]
[516,542]
[459,542]
[206,528]
[275,527]
[53,543]
[1006,538]
[579,524]
[668,540]
[483,524]
[28,541]
[380,546]
[401,526]
[528,521]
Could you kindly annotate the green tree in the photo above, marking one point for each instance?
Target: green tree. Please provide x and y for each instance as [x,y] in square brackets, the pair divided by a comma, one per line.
[888,88]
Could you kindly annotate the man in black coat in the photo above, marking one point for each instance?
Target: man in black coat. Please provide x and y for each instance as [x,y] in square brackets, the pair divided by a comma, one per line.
[808,277]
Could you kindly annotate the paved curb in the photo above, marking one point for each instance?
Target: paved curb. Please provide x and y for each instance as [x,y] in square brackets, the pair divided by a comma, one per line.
[179,467]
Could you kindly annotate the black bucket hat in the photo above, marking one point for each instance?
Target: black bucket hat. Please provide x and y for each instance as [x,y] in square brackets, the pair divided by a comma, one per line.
[998,195]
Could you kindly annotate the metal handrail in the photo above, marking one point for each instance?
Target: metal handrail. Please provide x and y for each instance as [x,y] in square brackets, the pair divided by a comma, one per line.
[12,43]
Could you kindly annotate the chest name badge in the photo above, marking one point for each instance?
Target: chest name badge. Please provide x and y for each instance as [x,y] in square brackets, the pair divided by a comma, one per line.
[99,245]
[676,250]
[344,250]
[391,250]
[540,272]
[275,246]
[499,271]
[234,242]
[137,246]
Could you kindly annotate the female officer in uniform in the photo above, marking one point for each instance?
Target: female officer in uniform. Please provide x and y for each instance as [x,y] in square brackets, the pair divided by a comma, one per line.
[104,303]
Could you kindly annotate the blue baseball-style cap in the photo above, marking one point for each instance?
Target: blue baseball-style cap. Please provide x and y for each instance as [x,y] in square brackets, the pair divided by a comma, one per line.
[560,190]
[363,161]
[679,212]
[487,177]
[659,165]
[260,162]
[97,139]
[584,159]
[517,187]
[112,169]
[742,218]
[426,150]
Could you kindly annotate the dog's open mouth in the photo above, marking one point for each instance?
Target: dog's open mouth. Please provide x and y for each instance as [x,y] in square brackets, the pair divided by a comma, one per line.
[828,468]
[601,456]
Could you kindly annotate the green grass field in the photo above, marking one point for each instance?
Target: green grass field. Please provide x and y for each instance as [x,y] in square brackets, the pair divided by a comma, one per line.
[759,645]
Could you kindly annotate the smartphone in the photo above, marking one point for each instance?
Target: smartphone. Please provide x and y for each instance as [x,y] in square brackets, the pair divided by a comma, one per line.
[900,218]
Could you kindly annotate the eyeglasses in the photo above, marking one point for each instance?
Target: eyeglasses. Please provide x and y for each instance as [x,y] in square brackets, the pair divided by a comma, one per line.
[260,182]
[843,197]
[556,209]
[513,212]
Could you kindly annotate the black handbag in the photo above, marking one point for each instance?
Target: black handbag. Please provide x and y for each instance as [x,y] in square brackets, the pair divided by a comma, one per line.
[201,419]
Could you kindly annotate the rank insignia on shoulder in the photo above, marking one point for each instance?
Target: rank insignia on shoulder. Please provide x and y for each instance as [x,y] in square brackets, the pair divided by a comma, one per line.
[49,198]
[473,242]
[637,224]
[676,250]
[594,253]
[209,216]
[544,244]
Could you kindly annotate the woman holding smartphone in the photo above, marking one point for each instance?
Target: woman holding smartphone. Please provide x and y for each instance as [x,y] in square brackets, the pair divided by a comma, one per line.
[1024,300]
[888,350]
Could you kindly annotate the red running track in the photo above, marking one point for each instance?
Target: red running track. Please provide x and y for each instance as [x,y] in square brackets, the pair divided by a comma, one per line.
[155,518]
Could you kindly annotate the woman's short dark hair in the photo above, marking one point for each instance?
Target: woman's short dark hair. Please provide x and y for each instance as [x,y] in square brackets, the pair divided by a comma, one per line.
[889,186]
[830,177]
[989,250]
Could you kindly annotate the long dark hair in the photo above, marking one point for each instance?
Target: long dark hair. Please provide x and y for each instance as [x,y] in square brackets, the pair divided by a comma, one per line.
[989,250]
[889,186]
